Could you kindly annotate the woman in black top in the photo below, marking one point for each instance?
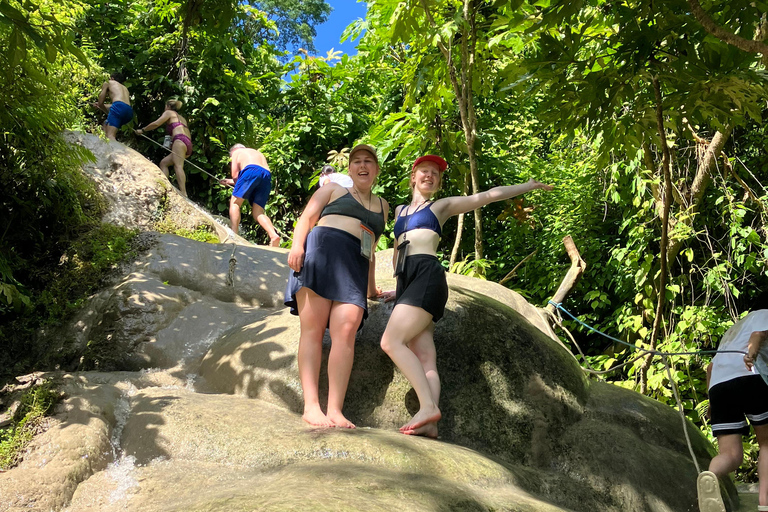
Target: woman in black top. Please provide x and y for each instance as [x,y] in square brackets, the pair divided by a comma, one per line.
[333,276]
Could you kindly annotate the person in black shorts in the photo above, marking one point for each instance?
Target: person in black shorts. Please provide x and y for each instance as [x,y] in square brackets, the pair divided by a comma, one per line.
[737,394]
[422,289]
[332,276]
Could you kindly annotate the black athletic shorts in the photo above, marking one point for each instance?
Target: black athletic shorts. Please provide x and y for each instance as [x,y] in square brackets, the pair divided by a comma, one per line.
[734,401]
[423,284]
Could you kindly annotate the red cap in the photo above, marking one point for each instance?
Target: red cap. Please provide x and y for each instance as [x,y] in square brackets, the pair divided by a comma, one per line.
[441,164]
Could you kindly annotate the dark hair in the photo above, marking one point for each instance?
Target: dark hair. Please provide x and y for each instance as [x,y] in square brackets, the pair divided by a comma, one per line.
[173,104]
[759,301]
[117,76]
[328,169]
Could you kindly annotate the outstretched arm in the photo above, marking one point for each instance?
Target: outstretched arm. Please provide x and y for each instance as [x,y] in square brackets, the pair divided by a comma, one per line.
[307,221]
[756,340]
[154,124]
[455,205]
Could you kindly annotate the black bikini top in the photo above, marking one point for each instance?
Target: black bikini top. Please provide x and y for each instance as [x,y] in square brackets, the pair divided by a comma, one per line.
[348,206]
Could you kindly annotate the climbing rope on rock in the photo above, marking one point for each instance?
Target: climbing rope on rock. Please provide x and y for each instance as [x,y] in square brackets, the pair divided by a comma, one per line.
[230,233]
[218,180]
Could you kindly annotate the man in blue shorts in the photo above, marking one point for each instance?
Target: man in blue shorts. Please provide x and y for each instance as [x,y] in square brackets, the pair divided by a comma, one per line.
[737,394]
[119,112]
[253,182]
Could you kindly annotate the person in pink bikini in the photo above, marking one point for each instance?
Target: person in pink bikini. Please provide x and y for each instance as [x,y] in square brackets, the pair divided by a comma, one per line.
[181,142]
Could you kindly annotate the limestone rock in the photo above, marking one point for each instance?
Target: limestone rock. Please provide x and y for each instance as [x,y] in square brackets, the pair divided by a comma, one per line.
[174,303]
[137,193]
[188,451]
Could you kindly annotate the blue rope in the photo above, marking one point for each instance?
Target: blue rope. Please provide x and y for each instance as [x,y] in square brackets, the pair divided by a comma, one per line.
[647,350]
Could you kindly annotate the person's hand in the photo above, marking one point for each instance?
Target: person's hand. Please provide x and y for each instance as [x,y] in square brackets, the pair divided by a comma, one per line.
[296,258]
[537,184]
[139,131]
[376,294]
[95,105]
[388,296]
[749,360]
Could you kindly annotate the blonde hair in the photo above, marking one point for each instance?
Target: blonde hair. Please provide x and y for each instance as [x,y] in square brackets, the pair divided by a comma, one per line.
[174,104]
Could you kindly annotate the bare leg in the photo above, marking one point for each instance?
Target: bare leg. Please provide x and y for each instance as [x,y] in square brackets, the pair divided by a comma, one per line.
[234,212]
[405,323]
[761,432]
[263,220]
[165,163]
[728,459]
[178,155]
[345,319]
[111,131]
[730,455]
[423,346]
[313,316]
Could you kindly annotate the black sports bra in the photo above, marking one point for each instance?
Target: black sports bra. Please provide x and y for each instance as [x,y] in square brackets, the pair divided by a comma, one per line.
[348,206]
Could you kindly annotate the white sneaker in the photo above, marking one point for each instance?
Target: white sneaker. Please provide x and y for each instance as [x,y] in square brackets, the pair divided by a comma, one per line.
[710,499]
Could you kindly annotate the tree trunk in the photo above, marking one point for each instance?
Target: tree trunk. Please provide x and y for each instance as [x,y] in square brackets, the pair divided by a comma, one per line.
[463,92]
[662,286]
[459,228]
[701,181]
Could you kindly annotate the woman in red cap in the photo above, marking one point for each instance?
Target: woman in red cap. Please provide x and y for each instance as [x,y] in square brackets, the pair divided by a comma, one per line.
[422,289]
[332,278]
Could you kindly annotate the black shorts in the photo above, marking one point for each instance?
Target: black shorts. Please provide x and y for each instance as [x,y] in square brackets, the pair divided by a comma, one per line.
[423,284]
[734,401]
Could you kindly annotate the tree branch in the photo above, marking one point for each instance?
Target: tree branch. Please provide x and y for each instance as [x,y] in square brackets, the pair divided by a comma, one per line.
[511,273]
[578,265]
[747,45]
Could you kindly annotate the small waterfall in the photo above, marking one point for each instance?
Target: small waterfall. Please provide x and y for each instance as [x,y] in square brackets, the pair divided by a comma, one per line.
[122,468]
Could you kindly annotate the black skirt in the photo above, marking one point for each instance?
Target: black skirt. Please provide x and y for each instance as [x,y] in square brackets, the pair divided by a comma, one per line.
[333,268]
[423,284]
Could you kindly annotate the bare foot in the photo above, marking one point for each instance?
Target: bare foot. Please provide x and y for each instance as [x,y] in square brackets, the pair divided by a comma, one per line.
[339,420]
[428,430]
[274,242]
[316,418]
[425,415]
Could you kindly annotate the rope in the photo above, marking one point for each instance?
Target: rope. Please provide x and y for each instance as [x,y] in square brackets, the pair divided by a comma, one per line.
[185,161]
[231,233]
[681,410]
[665,360]
[646,350]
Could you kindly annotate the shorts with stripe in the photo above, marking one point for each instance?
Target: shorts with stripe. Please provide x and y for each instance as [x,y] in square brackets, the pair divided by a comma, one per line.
[735,401]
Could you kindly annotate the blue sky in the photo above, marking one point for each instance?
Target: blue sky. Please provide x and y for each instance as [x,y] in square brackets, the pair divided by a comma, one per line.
[329,33]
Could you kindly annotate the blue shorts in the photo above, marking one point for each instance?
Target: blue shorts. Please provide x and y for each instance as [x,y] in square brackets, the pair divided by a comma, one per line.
[119,114]
[253,184]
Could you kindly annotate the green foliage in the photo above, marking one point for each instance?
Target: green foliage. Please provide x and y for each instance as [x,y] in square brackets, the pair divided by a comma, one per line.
[201,234]
[295,20]
[86,265]
[37,403]
[471,267]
